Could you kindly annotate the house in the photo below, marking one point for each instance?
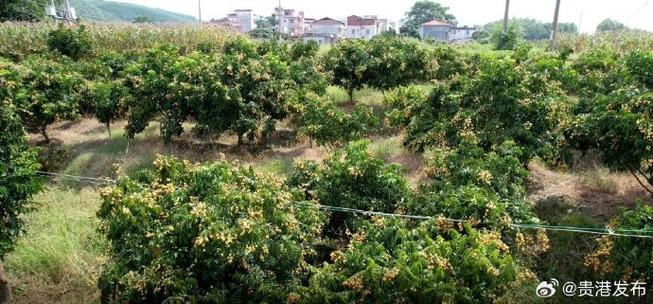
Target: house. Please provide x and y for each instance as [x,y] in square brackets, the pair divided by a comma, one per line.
[462,33]
[435,30]
[325,31]
[308,22]
[241,20]
[365,27]
[245,19]
[291,21]
[443,31]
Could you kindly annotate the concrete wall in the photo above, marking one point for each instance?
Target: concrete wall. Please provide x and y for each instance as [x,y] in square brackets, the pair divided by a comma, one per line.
[435,32]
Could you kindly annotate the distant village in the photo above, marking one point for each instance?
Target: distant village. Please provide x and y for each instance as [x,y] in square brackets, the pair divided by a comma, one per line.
[328,30]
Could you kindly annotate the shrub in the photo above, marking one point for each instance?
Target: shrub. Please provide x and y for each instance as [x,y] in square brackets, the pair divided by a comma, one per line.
[50,93]
[354,179]
[149,79]
[176,88]
[501,103]
[395,61]
[599,70]
[469,183]
[506,40]
[109,99]
[640,65]
[388,261]
[626,258]
[450,62]
[347,62]
[204,233]
[403,103]
[323,121]
[74,43]
[620,126]
[264,83]
[18,181]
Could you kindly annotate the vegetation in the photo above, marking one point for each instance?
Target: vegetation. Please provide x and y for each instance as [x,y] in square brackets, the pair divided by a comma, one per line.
[215,233]
[70,42]
[18,183]
[609,25]
[97,10]
[488,134]
[530,29]
[630,257]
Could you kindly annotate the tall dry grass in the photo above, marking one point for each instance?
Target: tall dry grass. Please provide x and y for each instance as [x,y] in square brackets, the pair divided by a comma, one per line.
[20,39]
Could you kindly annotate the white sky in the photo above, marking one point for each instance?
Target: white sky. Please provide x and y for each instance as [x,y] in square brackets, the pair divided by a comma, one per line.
[634,13]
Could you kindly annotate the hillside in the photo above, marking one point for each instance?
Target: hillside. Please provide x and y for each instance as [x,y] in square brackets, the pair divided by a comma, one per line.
[115,11]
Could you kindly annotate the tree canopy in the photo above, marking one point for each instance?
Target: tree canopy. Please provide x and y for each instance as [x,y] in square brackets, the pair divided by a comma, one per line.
[609,25]
[530,29]
[20,10]
[424,11]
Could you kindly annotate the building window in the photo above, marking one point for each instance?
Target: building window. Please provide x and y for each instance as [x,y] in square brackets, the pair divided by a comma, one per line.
[368,31]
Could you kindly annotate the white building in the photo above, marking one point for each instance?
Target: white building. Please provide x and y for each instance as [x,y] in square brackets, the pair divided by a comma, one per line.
[245,20]
[241,20]
[443,31]
[325,31]
[365,27]
[291,21]
[461,33]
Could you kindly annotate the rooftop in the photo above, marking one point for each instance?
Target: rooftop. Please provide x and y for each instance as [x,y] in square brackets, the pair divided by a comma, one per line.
[437,23]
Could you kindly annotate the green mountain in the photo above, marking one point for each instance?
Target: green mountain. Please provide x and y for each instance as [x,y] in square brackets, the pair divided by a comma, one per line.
[100,10]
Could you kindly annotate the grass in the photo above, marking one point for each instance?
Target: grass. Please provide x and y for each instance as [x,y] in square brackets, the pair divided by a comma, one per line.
[600,180]
[59,258]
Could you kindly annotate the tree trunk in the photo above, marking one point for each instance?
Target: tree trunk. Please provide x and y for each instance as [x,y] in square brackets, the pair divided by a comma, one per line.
[109,129]
[5,289]
[240,139]
[350,92]
[45,134]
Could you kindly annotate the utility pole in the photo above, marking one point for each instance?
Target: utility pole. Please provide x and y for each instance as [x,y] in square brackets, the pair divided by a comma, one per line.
[505,17]
[280,16]
[199,11]
[554,27]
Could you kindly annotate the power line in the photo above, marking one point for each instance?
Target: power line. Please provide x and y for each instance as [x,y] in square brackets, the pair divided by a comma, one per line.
[597,231]
[639,10]
[587,230]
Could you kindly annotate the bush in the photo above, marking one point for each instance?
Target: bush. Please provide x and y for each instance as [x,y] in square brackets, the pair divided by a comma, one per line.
[70,42]
[620,126]
[388,261]
[109,99]
[395,62]
[347,62]
[204,233]
[626,258]
[18,181]
[353,179]
[403,103]
[323,121]
[640,65]
[599,72]
[50,93]
[501,103]
[450,62]
[469,183]
[506,40]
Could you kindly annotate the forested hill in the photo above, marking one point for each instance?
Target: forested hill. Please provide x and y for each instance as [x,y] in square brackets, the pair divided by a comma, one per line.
[115,11]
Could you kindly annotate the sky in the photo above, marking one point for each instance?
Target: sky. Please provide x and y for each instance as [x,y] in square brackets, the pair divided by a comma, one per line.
[586,13]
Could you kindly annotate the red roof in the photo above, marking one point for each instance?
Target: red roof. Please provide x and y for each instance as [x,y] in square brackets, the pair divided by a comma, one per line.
[360,21]
[437,22]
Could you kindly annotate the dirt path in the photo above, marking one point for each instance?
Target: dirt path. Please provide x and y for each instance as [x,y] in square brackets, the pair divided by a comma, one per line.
[596,193]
